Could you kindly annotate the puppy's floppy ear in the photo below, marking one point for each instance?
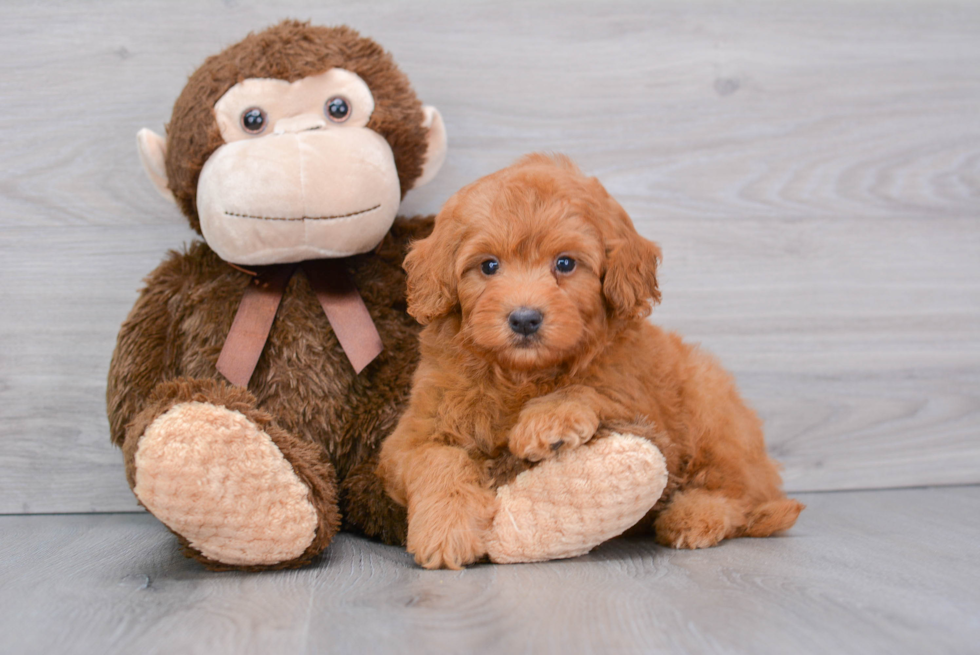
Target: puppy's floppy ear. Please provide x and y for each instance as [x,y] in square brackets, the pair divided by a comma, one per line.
[630,279]
[431,275]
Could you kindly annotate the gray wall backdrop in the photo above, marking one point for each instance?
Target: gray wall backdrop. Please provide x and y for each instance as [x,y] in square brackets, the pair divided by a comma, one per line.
[812,171]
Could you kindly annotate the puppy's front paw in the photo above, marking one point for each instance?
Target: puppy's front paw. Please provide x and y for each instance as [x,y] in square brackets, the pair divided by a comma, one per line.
[545,428]
[450,533]
[459,548]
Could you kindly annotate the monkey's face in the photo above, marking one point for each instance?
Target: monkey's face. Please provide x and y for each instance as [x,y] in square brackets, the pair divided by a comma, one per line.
[277,171]
[300,175]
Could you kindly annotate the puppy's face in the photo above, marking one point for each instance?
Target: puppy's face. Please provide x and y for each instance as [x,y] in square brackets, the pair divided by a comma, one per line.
[532,261]
[529,284]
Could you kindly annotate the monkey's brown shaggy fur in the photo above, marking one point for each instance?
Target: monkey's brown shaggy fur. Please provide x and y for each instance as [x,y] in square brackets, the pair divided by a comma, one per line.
[303,384]
[327,421]
[484,387]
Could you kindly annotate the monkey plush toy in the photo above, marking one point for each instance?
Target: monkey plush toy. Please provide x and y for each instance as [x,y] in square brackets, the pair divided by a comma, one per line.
[259,370]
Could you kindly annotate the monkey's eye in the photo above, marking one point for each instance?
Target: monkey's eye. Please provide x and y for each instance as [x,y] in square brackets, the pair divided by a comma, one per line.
[490,267]
[337,109]
[564,264]
[254,120]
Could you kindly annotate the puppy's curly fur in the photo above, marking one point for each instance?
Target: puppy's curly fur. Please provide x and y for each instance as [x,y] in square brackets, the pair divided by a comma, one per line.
[534,287]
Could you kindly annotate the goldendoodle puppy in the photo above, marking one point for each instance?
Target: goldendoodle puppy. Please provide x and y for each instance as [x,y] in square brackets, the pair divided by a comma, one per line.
[534,287]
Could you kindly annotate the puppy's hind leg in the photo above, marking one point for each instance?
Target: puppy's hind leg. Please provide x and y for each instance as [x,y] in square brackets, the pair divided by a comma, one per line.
[699,518]
[772,516]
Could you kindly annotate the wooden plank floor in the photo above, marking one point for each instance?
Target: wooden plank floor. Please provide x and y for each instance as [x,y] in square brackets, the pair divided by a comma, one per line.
[890,571]
[811,169]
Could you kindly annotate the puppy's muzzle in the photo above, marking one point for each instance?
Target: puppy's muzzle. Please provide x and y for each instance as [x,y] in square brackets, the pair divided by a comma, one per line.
[525,321]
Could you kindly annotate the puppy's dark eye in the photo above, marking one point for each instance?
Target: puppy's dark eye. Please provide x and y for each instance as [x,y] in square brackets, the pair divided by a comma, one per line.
[490,267]
[564,264]
[337,109]
[254,120]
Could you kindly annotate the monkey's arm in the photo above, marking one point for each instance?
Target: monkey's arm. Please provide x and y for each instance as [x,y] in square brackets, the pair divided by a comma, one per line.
[381,280]
[145,353]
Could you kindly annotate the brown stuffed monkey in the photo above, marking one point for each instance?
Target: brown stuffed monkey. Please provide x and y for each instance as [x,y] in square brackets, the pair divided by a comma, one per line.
[260,369]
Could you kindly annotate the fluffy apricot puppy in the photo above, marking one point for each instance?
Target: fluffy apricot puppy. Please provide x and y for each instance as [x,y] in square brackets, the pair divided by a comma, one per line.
[534,287]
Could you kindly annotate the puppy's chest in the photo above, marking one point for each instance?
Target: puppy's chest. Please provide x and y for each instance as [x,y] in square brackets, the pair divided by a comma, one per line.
[480,420]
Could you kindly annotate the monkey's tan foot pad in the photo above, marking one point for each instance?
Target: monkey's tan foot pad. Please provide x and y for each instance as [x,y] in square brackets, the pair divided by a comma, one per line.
[566,506]
[216,479]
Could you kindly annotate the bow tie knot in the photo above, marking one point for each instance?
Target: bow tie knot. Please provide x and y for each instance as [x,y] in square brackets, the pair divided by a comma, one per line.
[338,296]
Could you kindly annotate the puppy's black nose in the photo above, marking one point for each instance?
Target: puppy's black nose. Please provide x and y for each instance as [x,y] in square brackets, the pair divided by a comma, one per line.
[525,320]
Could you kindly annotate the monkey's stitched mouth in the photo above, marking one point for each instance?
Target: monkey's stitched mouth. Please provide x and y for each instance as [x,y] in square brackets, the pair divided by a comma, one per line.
[303,218]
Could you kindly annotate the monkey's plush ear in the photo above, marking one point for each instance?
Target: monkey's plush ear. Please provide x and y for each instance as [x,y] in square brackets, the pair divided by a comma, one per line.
[436,140]
[630,280]
[153,154]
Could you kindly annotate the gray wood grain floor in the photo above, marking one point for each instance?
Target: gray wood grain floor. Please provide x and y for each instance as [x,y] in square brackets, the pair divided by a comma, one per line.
[863,572]
[811,169]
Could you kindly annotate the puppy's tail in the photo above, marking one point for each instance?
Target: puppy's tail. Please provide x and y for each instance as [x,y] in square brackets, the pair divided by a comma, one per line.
[772,516]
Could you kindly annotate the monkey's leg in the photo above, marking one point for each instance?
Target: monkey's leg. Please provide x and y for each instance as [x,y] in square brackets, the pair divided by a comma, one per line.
[568,505]
[237,490]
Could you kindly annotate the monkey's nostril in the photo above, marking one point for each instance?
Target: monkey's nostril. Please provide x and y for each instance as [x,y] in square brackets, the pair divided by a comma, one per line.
[525,320]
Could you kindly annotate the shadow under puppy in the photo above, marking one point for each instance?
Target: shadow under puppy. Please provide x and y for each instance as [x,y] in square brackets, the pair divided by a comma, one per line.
[534,287]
